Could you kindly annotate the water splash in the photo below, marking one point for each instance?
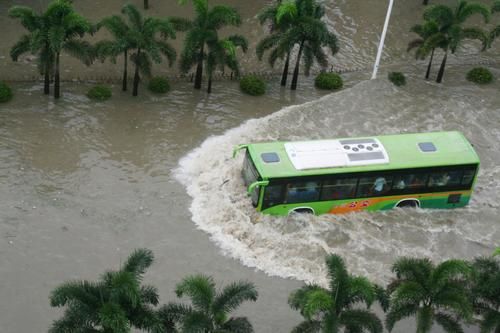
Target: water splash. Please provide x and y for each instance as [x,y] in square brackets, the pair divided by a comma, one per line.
[295,246]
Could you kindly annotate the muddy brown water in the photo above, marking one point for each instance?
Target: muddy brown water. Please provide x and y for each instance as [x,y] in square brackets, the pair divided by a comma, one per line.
[84,183]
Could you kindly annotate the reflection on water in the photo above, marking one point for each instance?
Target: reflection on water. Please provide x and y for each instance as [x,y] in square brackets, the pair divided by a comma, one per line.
[295,246]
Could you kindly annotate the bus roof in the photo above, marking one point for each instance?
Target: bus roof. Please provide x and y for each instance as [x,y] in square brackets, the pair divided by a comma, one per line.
[385,152]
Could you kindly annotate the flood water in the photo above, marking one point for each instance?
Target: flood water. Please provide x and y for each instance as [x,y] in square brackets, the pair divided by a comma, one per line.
[84,183]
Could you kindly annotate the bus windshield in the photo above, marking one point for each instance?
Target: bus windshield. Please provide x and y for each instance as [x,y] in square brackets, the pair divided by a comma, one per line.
[249,173]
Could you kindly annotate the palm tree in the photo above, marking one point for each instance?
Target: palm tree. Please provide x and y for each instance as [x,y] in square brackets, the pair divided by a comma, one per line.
[146,4]
[486,293]
[432,293]
[222,53]
[65,25]
[309,32]
[143,38]
[330,310]
[210,309]
[424,31]
[274,40]
[115,303]
[121,44]
[202,31]
[35,42]
[450,32]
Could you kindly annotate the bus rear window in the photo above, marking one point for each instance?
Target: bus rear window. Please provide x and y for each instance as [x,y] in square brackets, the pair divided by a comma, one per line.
[249,173]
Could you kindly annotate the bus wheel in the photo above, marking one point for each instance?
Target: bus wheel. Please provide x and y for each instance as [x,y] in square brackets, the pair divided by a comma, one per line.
[302,211]
[408,204]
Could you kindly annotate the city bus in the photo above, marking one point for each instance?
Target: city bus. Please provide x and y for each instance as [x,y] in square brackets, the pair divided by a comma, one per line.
[426,170]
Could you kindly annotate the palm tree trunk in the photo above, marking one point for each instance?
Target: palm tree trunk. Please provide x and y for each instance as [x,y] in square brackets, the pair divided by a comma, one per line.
[297,66]
[125,65]
[136,75]
[199,70]
[209,89]
[429,66]
[146,4]
[57,88]
[426,2]
[284,76]
[46,80]
[441,69]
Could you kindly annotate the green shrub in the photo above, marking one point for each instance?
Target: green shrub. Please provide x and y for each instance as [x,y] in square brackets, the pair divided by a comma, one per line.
[329,81]
[480,75]
[5,92]
[99,93]
[252,85]
[397,78]
[159,85]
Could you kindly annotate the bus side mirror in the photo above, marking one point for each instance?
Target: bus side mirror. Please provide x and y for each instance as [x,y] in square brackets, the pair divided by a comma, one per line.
[252,186]
[238,148]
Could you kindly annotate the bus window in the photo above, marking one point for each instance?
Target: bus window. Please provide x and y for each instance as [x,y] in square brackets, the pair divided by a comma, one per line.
[409,182]
[374,186]
[273,195]
[302,192]
[445,178]
[337,189]
[468,177]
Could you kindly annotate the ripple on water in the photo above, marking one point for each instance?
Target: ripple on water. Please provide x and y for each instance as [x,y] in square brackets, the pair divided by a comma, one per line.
[295,246]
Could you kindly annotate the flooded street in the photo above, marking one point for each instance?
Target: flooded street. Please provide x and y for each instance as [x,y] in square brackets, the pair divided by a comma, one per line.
[84,183]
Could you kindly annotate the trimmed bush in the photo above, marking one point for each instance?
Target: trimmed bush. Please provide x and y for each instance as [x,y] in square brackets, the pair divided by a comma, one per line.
[480,75]
[5,92]
[99,93]
[252,85]
[397,78]
[328,81]
[159,85]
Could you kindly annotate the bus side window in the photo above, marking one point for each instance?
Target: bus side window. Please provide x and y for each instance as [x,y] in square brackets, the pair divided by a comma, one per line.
[445,178]
[273,195]
[337,189]
[468,177]
[302,192]
[374,186]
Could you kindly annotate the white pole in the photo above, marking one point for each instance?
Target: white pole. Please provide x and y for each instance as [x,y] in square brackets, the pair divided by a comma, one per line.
[382,40]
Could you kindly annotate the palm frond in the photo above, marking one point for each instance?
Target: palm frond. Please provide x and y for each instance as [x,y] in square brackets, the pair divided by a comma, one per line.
[22,46]
[439,13]
[220,16]
[139,261]
[418,269]
[265,44]
[237,325]
[472,9]
[448,323]
[398,312]
[82,50]
[233,295]
[149,294]
[133,15]
[382,296]
[168,51]
[362,290]
[286,10]
[196,322]
[180,23]
[29,19]
[490,322]
[239,41]
[171,314]
[113,318]
[448,270]
[477,33]
[81,291]
[363,319]
[199,288]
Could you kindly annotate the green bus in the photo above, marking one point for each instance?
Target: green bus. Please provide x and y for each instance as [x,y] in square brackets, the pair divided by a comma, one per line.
[427,170]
